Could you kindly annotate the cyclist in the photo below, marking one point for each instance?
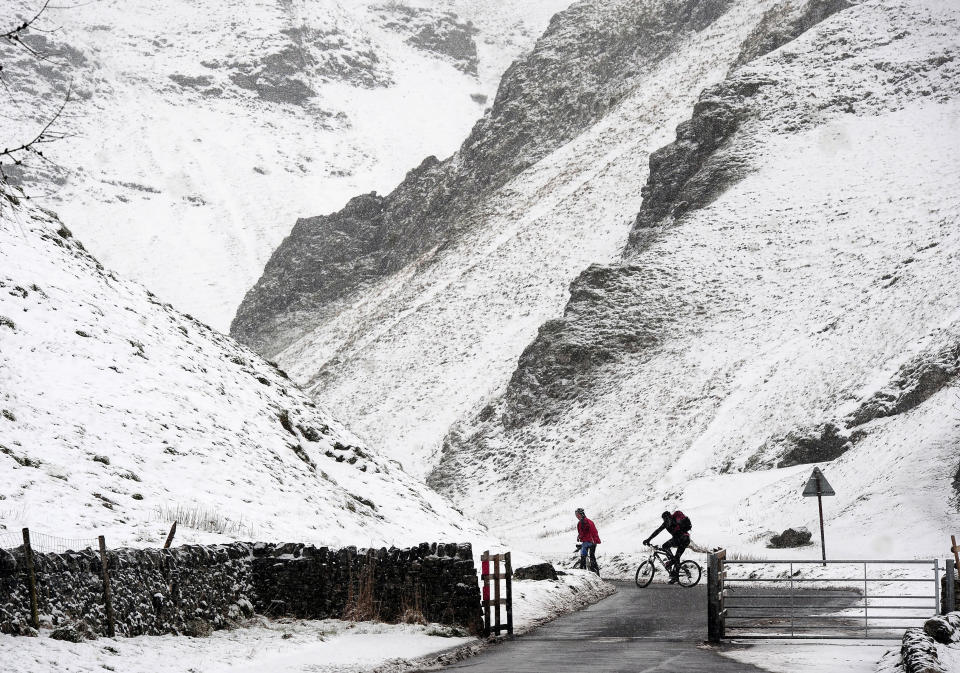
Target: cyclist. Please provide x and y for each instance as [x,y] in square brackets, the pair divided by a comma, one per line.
[678,525]
[588,538]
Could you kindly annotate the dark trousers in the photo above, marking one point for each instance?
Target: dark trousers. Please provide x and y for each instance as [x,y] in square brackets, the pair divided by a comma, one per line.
[591,549]
[681,542]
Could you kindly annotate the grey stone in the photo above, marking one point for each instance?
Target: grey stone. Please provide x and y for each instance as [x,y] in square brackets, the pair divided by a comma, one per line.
[539,571]
[791,537]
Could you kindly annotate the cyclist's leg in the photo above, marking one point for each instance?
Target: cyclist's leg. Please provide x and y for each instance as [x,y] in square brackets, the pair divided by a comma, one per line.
[682,545]
[593,558]
[674,561]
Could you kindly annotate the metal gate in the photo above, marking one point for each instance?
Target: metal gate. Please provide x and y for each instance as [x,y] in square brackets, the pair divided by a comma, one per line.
[813,599]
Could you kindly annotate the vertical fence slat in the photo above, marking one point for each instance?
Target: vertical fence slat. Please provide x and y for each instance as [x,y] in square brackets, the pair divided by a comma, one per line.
[936,586]
[107,597]
[508,570]
[31,579]
[866,604]
[951,593]
[496,592]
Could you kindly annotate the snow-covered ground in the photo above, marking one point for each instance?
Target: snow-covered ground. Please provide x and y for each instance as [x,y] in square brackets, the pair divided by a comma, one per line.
[180,174]
[294,646]
[812,657]
[121,415]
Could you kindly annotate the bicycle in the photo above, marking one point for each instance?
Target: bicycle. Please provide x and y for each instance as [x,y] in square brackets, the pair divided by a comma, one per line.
[592,564]
[688,576]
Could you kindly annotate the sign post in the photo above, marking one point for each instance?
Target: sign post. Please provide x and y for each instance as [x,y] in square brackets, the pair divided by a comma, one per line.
[817,485]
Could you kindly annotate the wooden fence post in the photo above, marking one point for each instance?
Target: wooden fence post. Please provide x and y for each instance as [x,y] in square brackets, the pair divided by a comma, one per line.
[950,590]
[485,576]
[173,531]
[107,597]
[508,570]
[715,612]
[31,579]
[496,593]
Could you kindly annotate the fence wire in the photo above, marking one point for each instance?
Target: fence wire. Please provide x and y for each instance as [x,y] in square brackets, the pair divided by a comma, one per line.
[10,540]
[44,543]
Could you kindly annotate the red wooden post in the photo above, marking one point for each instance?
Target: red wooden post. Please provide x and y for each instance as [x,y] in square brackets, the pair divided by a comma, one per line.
[485,576]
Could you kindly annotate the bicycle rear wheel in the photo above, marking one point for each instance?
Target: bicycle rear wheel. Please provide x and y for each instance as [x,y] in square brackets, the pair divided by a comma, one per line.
[645,574]
[689,573]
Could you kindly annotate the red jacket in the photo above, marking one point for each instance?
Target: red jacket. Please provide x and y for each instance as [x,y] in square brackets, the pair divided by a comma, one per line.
[587,532]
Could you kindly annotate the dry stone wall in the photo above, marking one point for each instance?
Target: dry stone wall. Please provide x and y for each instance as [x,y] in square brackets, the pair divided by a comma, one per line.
[192,589]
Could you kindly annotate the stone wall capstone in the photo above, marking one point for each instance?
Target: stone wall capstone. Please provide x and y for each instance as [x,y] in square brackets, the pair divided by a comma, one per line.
[194,588]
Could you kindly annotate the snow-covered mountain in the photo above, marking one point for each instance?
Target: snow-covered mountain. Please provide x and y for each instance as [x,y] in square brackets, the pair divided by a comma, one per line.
[785,296]
[407,311]
[199,129]
[118,415]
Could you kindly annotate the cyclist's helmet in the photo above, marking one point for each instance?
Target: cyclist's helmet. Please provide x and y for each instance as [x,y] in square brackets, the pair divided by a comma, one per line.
[579,510]
[666,515]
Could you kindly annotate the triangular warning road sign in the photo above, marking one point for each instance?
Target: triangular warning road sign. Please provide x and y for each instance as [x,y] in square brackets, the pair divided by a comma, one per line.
[817,484]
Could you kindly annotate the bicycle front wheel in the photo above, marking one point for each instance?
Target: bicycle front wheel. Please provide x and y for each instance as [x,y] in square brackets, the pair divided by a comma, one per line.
[689,573]
[645,574]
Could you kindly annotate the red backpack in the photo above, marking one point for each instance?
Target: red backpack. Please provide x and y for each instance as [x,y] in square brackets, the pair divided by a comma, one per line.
[682,522]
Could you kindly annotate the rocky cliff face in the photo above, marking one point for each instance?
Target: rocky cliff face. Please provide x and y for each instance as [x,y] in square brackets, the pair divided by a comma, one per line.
[408,311]
[590,57]
[781,300]
[329,98]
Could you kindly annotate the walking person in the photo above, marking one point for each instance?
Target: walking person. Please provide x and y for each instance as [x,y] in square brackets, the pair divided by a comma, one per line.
[588,538]
[678,525]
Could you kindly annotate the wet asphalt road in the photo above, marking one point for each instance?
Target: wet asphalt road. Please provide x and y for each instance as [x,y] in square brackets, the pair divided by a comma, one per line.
[657,629]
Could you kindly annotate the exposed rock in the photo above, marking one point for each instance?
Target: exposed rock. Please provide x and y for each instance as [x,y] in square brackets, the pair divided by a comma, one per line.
[539,571]
[590,57]
[791,537]
[821,445]
[785,22]
[919,653]
[692,171]
[67,633]
[590,335]
[945,629]
[918,380]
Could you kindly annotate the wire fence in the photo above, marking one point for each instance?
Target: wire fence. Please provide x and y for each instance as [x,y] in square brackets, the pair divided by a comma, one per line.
[10,540]
[45,543]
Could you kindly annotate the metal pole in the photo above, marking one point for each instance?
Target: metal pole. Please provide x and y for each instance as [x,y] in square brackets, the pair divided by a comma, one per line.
[173,531]
[793,608]
[107,597]
[823,543]
[866,603]
[31,579]
[936,586]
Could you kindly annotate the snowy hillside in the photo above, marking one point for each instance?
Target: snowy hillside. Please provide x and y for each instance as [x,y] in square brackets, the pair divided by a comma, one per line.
[199,130]
[787,297]
[119,414]
[406,312]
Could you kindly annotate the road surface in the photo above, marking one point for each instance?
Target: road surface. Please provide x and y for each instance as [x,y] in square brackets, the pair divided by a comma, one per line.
[658,629]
